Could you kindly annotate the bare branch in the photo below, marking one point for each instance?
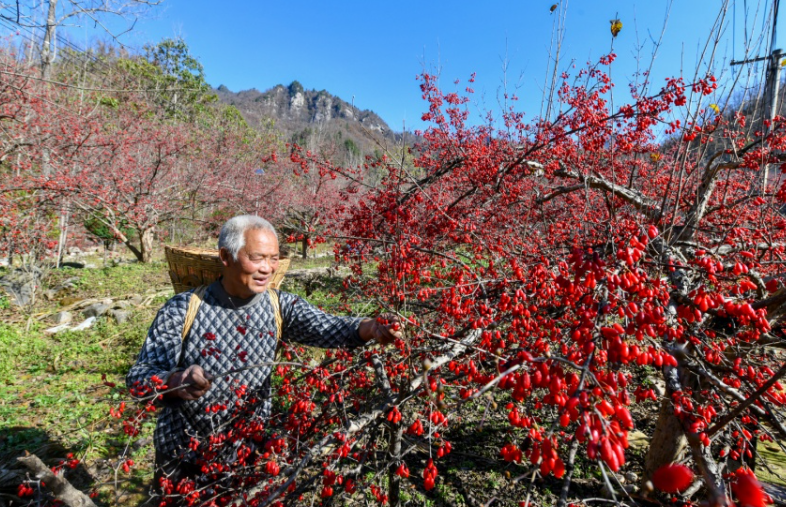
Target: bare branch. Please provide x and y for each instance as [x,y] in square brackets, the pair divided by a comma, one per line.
[706,188]
[640,201]
[728,249]
[745,404]
[57,484]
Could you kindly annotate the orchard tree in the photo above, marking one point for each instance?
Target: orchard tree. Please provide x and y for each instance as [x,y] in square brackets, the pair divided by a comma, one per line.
[26,118]
[155,171]
[125,158]
[549,267]
[314,195]
[564,257]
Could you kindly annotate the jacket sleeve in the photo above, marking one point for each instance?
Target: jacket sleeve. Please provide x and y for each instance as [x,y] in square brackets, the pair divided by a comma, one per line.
[307,324]
[161,350]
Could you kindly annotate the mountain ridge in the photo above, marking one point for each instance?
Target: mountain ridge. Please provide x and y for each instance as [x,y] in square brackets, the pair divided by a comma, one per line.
[315,120]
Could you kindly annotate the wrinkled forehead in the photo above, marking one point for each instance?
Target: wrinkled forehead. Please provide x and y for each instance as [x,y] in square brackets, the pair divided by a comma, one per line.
[260,241]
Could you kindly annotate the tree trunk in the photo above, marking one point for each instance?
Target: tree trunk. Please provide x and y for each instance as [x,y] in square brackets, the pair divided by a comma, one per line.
[304,244]
[668,441]
[61,243]
[134,250]
[47,55]
[146,242]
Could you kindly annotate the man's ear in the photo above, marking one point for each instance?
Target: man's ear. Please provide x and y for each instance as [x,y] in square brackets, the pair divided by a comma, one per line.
[225,257]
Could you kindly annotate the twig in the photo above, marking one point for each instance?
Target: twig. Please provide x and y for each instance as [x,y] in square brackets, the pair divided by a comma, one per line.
[569,467]
[742,406]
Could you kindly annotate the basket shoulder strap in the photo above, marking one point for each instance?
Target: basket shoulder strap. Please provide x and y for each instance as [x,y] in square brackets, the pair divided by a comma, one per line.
[276,302]
[193,308]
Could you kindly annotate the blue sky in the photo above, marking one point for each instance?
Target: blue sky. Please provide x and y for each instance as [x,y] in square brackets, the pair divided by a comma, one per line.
[373,51]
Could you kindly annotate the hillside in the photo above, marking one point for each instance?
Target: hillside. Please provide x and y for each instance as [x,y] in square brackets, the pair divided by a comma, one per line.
[316,120]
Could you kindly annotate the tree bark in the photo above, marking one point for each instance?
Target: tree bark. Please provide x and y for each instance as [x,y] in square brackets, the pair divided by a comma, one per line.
[134,250]
[61,243]
[668,441]
[144,253]
[57,484]
[47,55]
[146,242]
[394,451]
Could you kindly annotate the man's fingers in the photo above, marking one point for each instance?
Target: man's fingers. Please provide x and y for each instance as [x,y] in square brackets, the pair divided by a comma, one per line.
[198,383]
[196,392]
[387,335]
[196,376]
[193,392]
[198,380]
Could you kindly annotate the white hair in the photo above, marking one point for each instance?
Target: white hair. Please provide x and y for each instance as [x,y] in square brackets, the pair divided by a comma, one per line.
[233,232]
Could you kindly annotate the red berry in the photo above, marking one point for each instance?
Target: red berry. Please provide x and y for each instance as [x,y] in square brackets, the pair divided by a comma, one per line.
[749,491]
[672,478]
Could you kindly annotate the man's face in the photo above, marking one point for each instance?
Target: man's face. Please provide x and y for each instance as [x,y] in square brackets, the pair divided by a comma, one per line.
[256,262]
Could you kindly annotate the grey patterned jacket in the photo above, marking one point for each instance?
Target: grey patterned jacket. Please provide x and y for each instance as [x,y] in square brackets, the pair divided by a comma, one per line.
[227,334]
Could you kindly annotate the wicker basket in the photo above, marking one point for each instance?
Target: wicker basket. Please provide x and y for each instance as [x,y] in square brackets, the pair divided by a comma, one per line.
[192,267]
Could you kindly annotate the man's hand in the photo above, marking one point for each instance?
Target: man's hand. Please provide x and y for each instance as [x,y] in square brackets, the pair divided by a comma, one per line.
[385,329]
[193,375]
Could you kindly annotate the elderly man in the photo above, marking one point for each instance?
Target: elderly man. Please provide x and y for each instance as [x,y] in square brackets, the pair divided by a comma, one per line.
[235,325]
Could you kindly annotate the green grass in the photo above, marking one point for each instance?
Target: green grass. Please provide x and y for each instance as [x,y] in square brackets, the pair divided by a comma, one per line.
[53,400]
[320,262]
[776,460]
[134,278]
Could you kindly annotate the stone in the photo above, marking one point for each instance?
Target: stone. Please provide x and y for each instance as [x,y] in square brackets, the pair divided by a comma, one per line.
[86,324]
[61,288]
[631,477]
[56,329]
[120,316]
[21,283]
[136,300]
[139,443]
[68,283]
[122,304]
[69,300]
[95,310]
[63,317]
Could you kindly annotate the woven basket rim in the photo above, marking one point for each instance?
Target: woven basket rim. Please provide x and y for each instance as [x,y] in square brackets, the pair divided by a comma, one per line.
[190,267]
[207,251]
